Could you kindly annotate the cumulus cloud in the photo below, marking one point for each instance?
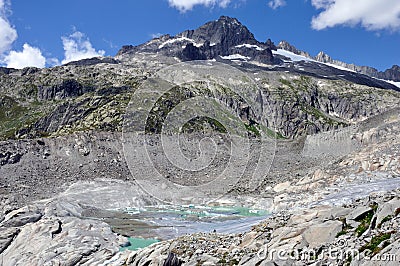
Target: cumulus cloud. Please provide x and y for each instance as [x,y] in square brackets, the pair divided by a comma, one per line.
[7,33]
[77,46]
[370,14]
[276,4]
[29,56]
[186,5]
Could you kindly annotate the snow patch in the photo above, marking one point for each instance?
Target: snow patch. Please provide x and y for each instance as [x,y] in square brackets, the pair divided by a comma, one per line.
[296,58]
[292,56]
[397,84]
[338,67]
[251,46]
[235,57]
[180,39]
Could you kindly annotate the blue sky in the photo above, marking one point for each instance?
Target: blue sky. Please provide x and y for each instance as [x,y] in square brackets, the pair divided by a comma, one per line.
[48,32]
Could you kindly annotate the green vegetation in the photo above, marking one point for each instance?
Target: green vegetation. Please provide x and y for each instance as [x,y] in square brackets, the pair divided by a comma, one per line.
[375,242]
[286,82]
[365,222]
[384,220]
[14,116]
[252,129]
[203,124]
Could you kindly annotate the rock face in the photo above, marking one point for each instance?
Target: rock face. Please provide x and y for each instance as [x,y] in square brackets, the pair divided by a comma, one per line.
[68,88]
[288,47]
[226,31]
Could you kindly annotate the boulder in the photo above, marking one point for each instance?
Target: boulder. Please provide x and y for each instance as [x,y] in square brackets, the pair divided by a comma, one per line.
[323,233]
[387,209]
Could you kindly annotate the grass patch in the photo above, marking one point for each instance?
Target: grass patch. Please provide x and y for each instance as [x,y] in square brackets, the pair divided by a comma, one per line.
[203,124]
[252,129]
[14,116]
[286,82]
[375,242]
[384,220]
[365,222]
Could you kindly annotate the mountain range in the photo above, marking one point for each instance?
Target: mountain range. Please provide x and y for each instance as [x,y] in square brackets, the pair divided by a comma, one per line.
[392,73]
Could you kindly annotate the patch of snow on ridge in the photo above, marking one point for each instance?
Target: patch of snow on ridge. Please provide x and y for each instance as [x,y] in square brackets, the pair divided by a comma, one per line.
[397,84]
[338,67]
[180,39]
[235,57]
[296,58]
[292,56]
[258,48]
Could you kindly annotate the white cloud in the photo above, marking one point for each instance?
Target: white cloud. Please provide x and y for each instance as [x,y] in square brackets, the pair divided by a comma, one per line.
[370,14]
[276,4]
[30,56]
[186,5]
[155,35]
[52,61]
[77,46]
[7,33]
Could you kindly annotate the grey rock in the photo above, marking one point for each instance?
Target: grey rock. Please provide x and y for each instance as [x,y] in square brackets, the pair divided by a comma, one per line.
[7,235]
[68,88]
[319,234]
[359,212]
[387,210]
[21,217]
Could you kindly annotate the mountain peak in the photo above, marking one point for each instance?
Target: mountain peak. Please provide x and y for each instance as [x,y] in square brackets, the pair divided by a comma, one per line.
[223,38]
[226,31]
[228,19]
[323,57]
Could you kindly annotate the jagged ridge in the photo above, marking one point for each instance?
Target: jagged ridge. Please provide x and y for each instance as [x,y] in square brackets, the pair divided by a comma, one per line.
[392,73]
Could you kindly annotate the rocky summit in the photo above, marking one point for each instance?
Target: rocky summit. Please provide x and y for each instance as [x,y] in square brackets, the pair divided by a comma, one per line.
[205,148]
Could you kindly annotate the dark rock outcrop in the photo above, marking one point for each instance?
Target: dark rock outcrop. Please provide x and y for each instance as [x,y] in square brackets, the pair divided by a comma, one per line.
[68,88]
[5,70]
[224,33]
[9,158]
[265,56]
[191,52]
[172,260]
[392,73]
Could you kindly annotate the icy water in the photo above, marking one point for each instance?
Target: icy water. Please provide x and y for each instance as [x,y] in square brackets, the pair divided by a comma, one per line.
[138,243]
[173,221]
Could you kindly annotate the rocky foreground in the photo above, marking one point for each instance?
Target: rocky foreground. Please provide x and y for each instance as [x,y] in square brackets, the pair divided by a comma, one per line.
[365,232]
[60,232]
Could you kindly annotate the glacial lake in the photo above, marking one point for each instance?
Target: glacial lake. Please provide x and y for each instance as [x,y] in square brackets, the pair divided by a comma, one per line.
[168,222]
